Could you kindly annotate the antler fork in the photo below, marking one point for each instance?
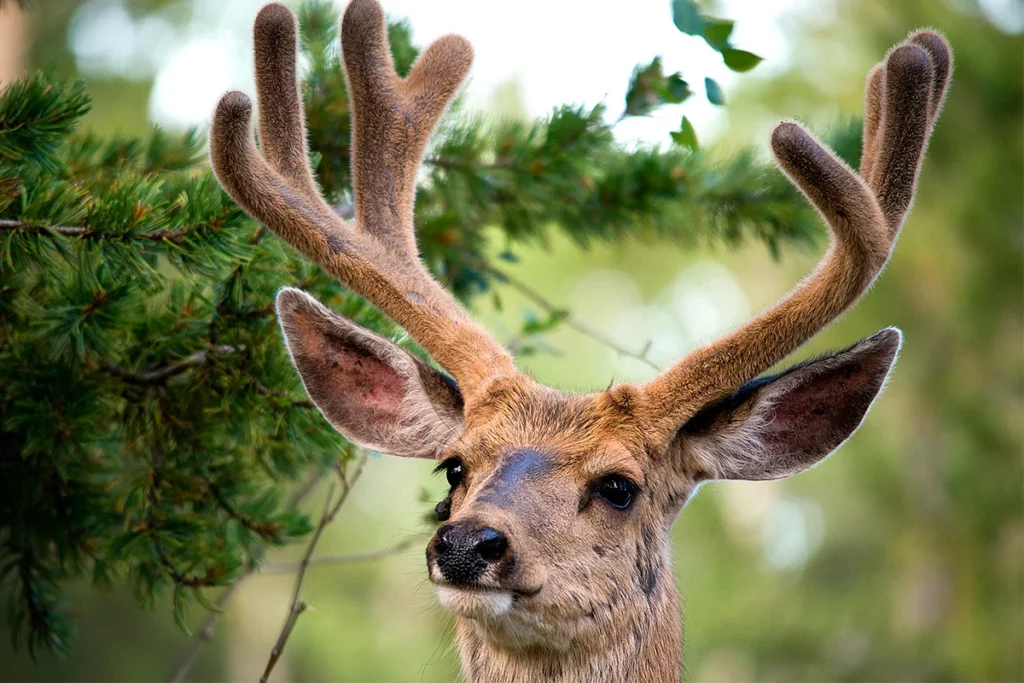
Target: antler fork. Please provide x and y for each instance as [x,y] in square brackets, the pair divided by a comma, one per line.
[864,213]
[393,118]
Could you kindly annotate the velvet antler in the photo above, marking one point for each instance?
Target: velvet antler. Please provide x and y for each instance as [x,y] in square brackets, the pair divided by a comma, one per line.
[375,255]
[864,213]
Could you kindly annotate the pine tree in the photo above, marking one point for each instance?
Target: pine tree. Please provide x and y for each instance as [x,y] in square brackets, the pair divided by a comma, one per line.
[152,429]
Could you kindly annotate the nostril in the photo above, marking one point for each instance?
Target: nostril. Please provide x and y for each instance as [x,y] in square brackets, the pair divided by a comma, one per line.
[491,545]
[443,540]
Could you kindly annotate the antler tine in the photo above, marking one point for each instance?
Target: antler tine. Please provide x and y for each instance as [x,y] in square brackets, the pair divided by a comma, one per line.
[393,119]
[282,123]
[903,117]
[260,190]
[940,56]
[864,216]
[874,107]
[903,132]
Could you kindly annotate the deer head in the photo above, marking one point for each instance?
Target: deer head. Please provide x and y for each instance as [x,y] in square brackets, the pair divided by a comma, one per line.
[553,551]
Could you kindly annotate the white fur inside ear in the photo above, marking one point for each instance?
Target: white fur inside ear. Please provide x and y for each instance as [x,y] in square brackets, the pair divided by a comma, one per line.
[474,603]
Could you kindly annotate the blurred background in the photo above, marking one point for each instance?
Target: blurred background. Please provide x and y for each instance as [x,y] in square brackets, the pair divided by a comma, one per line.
[901,558]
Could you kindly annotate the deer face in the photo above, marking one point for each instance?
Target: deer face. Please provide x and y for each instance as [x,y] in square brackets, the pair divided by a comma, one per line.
[552,517]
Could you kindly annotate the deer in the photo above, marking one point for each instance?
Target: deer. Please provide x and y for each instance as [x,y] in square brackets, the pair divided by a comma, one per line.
[552,550]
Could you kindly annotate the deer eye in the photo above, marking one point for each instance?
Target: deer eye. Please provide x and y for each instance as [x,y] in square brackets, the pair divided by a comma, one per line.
[617,491]
[454,471]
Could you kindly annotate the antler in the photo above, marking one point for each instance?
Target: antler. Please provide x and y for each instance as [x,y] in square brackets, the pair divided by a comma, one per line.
[864,213]
[393,118]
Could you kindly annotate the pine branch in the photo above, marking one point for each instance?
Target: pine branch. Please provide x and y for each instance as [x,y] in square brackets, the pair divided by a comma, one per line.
[175,236]
[160,376]
[206,632]
[36,115]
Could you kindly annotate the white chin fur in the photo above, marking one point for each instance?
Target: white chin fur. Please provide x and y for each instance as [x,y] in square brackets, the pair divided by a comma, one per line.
[474,603]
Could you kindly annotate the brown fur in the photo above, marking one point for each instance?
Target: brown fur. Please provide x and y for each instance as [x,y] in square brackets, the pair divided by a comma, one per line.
[585,591]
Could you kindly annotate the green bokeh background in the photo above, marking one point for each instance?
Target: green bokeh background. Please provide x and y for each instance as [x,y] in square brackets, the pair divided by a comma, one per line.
[902,556]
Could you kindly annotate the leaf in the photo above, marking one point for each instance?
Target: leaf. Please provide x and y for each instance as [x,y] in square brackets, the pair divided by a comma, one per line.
[649,88]
[714,91]
[716,32]
[676,89]
[740,60]
[686,135]
[687,18]
[180,603]
[644,86]
[533,325]
[640,97]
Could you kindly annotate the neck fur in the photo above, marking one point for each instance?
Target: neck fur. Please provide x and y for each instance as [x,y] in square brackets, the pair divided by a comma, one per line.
[643,642]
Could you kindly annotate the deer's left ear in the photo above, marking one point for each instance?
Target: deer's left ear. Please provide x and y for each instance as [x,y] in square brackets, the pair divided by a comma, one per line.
[776,426]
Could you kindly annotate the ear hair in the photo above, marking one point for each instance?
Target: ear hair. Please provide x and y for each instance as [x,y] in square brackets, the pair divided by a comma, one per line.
[779,425]
[372,391]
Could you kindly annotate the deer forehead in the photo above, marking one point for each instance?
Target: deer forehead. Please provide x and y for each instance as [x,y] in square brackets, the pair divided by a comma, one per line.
[536,432]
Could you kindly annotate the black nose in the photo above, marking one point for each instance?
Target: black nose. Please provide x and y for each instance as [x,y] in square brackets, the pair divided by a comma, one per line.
[465,550]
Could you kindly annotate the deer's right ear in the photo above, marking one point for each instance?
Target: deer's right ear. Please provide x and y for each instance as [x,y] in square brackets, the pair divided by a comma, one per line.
[378,395]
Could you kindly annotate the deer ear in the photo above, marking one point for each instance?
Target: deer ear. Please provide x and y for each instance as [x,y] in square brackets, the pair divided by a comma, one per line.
[378,395]
[776,426]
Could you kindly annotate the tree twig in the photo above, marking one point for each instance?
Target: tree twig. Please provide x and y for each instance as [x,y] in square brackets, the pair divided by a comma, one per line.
[275,653]
[267,531]
[584,329]
[158,376]
[205,633]
[297,607]
[341,558]
[152,522]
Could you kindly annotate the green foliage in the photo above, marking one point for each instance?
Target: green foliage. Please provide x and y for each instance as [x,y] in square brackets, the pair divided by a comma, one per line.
[714,91]
[716,32]
[36,115]
[740,60]
[649,88]
[686,135]
[151,424]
